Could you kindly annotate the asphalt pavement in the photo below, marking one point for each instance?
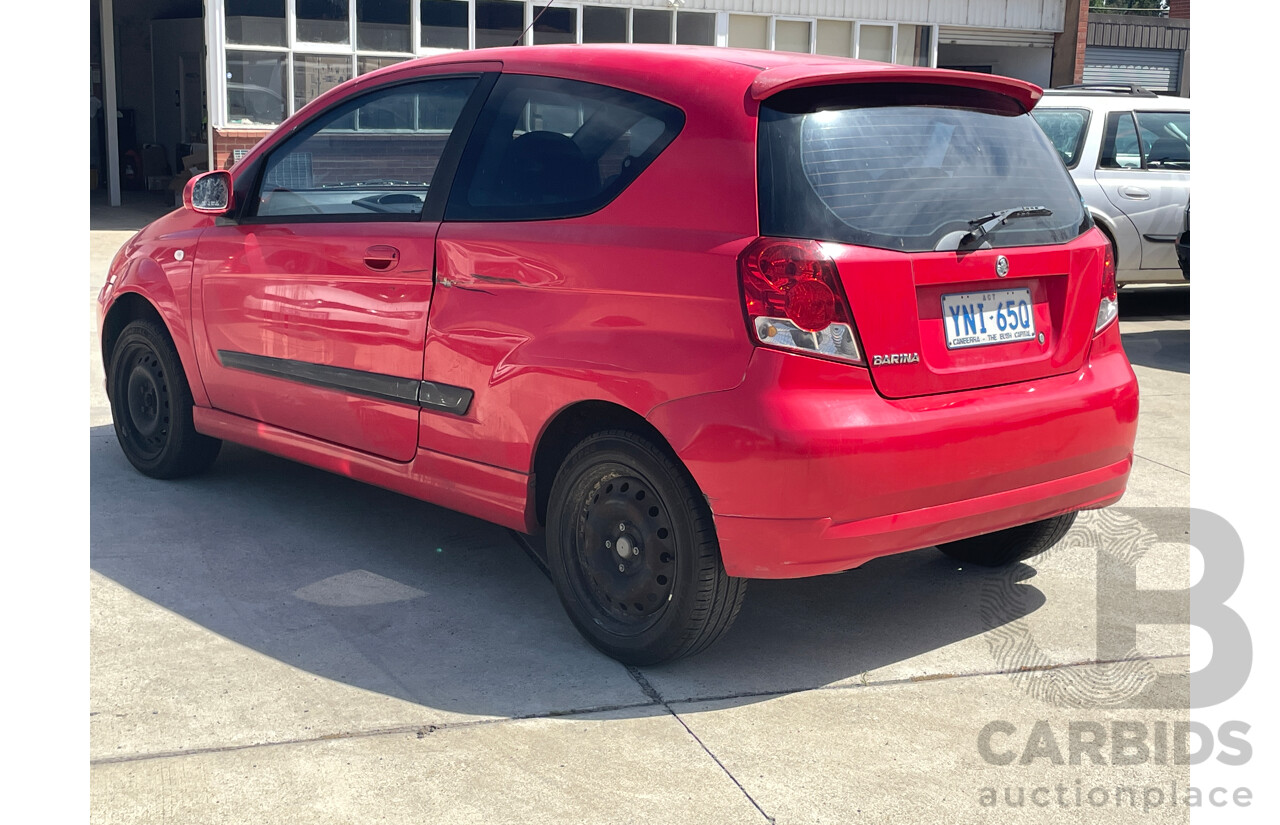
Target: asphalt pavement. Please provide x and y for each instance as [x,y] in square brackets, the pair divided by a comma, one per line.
[273,643]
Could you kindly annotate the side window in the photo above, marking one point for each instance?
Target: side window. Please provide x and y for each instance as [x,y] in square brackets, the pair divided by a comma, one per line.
[372,157]
[546,148]
[1166,139]
[1120,148]
[1066,129]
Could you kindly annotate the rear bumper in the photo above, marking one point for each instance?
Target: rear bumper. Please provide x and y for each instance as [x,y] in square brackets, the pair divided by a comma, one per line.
[808,470]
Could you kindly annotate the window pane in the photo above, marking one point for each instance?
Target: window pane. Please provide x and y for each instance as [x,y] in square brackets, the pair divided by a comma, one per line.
[324,21]
[791,36]
[650,26]
[255,88]
[315,74]
[368,158]
[748,31]
[498,23]
[604,25]
[695,28]
[444,24]
[555,25]
[364,65]
[1120,149]
[875,43]
[1065,128]
[534,161]
[255,22]
[835,38]
[1166,139]
[383,25]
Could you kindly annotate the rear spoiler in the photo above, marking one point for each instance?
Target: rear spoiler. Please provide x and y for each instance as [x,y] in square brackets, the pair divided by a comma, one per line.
[793,76]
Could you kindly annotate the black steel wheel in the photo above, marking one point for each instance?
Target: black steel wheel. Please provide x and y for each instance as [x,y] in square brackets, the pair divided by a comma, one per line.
[151,405]
[1015,544]
[633,554]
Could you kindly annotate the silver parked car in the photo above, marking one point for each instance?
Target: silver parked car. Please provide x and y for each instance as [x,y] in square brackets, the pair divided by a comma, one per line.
[1129,151]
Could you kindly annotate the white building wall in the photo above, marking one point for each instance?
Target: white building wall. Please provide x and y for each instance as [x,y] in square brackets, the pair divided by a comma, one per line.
[1030,15]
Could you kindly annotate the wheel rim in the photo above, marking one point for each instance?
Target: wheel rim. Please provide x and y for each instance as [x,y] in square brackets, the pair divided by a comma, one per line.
[144,393]
[624,552]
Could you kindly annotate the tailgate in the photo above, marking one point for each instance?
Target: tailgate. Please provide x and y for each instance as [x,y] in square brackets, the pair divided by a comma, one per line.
[944,322]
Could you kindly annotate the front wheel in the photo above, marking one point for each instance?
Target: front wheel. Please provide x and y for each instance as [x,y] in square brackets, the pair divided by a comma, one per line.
[151,405]
[633,552]
[1015,544]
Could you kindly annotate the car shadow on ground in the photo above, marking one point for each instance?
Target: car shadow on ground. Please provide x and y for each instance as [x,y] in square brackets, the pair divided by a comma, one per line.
[376,590]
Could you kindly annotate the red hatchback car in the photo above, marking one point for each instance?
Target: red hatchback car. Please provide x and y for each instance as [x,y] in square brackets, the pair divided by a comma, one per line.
[703,315]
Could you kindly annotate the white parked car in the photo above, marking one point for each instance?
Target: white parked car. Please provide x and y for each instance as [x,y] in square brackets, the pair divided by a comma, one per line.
[1129,151]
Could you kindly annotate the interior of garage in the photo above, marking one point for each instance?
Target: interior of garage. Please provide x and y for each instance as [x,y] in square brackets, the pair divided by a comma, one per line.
[156,76]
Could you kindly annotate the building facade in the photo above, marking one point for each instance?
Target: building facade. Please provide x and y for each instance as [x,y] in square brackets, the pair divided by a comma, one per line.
[236,68]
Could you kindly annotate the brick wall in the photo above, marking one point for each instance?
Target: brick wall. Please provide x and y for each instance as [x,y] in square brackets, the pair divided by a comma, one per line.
[226,141]
[1068,47]
[1180,9]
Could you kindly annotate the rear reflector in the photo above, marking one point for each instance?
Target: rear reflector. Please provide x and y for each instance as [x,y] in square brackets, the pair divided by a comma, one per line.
[794,300]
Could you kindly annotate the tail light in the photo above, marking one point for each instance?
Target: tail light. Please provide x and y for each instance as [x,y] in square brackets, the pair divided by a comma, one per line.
[794,299]
[1108,307]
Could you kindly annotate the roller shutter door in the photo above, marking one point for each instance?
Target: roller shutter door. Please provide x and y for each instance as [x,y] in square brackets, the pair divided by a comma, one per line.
[1157,69]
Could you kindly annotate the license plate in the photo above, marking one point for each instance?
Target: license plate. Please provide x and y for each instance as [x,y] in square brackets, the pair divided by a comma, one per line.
[975,319]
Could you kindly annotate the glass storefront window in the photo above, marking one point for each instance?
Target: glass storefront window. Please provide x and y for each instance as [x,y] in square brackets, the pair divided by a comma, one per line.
[604,24]
[835,38]
[694,28]
[323,21]
[383,25]
[791,36]
[650,26]
[748,31]
[255,88]
[255,22]
[444,24]
[498,22]
[315,74]
[364,64]
[555,25]
[875,43]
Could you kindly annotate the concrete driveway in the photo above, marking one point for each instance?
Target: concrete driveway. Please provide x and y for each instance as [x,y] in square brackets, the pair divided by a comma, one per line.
[271,643]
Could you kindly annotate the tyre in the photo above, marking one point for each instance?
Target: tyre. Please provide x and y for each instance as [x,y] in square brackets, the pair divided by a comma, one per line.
[151,405]
[633,552]
[1013,545]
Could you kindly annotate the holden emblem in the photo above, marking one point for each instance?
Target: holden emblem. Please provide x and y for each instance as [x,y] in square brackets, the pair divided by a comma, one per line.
[1002,266]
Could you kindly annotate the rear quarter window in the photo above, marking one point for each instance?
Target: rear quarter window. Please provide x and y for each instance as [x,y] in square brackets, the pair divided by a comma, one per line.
[546,148]
[1066,129]
[902,166]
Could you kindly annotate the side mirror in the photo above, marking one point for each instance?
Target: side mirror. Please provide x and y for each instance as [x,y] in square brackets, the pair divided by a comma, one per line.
[208,193]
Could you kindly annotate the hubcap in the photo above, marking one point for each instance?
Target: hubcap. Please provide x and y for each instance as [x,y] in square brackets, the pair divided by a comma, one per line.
[625,550]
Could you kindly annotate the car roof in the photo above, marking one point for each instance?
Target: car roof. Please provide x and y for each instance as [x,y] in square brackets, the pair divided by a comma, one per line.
[1109,101]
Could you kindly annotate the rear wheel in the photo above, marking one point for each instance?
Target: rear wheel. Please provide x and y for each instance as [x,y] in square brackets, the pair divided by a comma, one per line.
[151,405]
[1012,545]
[633,552]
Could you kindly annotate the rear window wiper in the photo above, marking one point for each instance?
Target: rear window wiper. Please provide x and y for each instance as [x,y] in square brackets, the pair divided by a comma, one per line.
[985,225]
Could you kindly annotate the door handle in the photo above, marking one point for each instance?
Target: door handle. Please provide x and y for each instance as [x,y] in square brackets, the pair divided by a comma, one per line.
[381,258]
[1136,193]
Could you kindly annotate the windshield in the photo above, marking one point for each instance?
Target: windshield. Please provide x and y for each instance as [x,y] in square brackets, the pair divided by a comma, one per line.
[901,166]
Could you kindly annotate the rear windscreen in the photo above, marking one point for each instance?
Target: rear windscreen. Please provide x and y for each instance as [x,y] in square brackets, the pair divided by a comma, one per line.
[902,166]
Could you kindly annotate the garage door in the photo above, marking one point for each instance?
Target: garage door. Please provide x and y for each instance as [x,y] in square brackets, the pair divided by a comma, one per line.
[1157,69]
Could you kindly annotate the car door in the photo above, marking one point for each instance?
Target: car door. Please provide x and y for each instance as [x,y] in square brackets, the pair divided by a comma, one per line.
[1145,170]
[311,308]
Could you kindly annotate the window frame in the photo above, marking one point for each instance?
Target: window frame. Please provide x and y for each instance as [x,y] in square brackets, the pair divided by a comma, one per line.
[441,182]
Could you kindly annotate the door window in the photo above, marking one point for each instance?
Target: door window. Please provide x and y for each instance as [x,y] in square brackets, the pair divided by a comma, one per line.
[371,158]
[1120,147]
[1166,139]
